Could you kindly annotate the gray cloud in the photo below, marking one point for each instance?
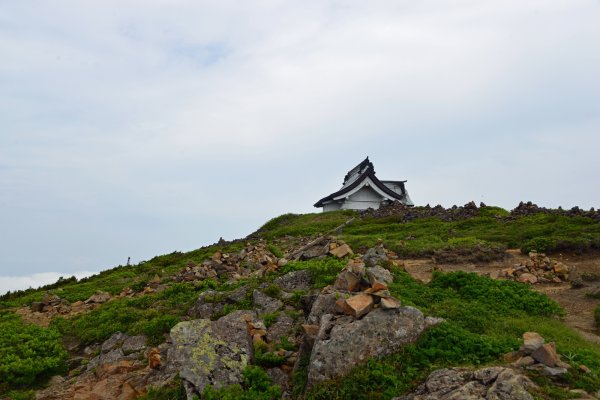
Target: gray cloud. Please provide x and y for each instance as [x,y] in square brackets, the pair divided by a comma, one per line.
[138,128]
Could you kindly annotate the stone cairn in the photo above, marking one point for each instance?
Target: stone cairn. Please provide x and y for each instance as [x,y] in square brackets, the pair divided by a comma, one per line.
[367,288]
[536,355]
[538,269]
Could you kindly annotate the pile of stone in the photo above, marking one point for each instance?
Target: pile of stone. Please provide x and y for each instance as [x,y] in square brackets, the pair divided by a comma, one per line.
[251,260]
[408,213]
[538,269]
[529,208]
[536,355]
[321,247]
[51,303]
[371,286]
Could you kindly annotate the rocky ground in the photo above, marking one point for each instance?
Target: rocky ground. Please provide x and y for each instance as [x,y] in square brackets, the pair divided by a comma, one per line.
[571,292]
[334,328]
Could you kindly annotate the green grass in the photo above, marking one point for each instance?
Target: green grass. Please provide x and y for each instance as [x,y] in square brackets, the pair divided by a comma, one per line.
[116,279]
[150,315]
[485,319]
[423,236]
[29,354]
[304,224]
[323,272]
[256,385]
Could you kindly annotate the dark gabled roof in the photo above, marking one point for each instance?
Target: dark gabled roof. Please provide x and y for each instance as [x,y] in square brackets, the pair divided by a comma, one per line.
[366,170]
[360,167]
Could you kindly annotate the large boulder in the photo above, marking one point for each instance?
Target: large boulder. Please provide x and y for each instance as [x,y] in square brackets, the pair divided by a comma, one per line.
[493,383]
[212,352]
[294,280]
[265,304]
[343,341]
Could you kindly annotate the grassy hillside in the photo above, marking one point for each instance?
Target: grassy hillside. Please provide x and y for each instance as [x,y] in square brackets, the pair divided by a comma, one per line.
[484,318]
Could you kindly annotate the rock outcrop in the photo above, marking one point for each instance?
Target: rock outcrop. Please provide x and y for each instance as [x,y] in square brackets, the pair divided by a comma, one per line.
[492,383]
[343,342]
[356,319]
[118,371]
[213,353]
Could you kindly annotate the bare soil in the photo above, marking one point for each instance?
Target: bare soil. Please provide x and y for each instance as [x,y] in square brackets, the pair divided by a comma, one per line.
[578,307]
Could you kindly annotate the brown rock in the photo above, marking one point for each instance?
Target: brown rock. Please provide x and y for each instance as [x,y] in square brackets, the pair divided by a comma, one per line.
[524,361]
[342,307]
[128,392]
[311,330]
[347,280]
[526,277]
[341,251]
[357,267]
[360,304]
[381,293]
[531,342]
[584,369]
[512,356]
[390,303]
[560,268]
[546,354]
[154,359]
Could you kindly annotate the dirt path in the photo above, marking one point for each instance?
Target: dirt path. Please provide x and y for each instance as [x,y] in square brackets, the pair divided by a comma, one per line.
[579,308]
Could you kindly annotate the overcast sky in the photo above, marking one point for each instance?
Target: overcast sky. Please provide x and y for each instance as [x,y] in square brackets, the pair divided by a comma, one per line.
[136,128]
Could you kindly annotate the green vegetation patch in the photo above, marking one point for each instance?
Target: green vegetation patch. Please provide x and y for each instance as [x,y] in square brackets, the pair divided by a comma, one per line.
[150,315]
[490,230]
[29,354]
[485,319]
[257,385]
[323,272]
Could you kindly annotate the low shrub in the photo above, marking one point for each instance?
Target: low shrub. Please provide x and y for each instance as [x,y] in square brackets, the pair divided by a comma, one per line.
[29,354]
[257,385]
[323,272]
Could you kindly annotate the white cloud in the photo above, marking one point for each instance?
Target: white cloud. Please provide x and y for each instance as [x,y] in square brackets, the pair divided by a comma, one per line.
[138,127]
[13,283]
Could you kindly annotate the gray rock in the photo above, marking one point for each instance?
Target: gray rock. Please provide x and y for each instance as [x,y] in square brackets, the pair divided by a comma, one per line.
[134,344]
[317,251]
[265,303]
[379,274]
[510,385]
[323,304]
[107,358]
[492,383]
[116,340]
[279,378]
[205,306]
[212,352]
[295,280]
[98,297]
[284,326]
[343,342]
[375,256]
[237,295]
